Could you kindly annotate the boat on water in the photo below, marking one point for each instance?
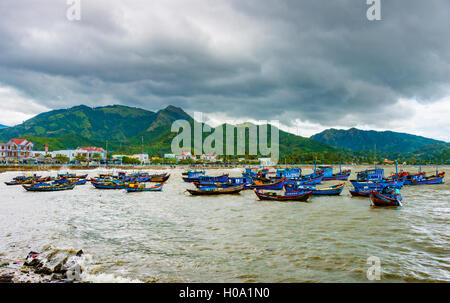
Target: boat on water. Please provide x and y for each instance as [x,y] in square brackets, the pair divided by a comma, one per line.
[198,172]
[71,176]
[158,178]
[421,178]
[140,187]
[301,195]
[275,185]
[387,197]
[334,190]
[306,181]
[108,184]
[41,187]
[20,180]
[328,174]
[194,177]
[209,191]
[234,181]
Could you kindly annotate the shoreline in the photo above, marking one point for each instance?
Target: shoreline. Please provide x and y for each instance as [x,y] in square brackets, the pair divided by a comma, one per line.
[186,167]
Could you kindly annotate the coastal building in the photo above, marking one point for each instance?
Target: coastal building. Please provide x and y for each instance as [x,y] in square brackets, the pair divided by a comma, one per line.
[143,158]
[90,151]
[16,149]
[209,157]
[71,153]
[266,162]
[87,152]
[187,156]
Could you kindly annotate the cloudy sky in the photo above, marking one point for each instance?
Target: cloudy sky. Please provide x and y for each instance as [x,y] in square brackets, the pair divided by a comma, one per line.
[312,64]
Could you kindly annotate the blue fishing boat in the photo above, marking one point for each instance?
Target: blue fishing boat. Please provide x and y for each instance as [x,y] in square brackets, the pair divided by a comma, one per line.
[328,174]
[108,185]
[288,196]
[334,190]
[140,187]
[46,187]
[387,197]
[306,181]
[234,181]
[195,177]
[276,185]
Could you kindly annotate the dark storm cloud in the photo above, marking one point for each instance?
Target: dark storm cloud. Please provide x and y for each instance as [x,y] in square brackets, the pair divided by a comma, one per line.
[314,60]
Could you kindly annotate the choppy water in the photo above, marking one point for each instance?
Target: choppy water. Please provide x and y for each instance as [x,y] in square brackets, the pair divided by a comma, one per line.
[170,236]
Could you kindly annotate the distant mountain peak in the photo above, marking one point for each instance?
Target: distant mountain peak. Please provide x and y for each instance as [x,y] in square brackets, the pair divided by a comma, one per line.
[357,139]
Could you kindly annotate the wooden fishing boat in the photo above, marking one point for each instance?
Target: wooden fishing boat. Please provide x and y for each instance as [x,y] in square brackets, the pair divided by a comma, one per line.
[277,185]
[158,178]
[379,199]
[140,187]
[41,187]
[199,178]
[360,193]
[108,185]
[288,196]
[209,191]
[334,190]
[200,172]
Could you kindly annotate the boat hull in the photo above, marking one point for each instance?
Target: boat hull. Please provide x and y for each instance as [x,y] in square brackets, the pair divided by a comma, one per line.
[216,191]
[49,188]
[301,197]
[379,199]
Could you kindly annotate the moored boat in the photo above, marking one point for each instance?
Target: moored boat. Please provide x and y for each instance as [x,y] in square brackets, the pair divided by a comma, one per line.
[334,190]
[140,187]
[386,199]
[108,185]
[288,196]
[208,191]
[44,187]
[277,185]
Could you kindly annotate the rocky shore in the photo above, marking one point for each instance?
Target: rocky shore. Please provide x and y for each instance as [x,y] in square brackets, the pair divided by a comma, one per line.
[63,266]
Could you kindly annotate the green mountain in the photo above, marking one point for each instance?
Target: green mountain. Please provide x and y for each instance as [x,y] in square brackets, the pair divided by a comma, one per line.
[126,130]
[95,124]
[385,141]
[3,126]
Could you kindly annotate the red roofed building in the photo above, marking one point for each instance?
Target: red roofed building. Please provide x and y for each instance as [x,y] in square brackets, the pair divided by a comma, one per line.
[16,149]
[90,151]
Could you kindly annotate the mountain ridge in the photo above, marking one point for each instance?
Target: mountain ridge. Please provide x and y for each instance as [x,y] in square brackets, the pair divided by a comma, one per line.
[386,141]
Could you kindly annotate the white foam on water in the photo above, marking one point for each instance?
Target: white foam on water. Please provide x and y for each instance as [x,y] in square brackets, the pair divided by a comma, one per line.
[107,278]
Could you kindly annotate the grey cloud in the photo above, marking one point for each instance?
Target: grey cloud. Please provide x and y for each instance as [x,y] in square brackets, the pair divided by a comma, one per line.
[320,61]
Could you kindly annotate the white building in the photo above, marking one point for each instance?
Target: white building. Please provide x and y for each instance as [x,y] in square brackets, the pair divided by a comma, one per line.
[266,162]
[16,149]
[142,157]
[209,157]
[87,152]
[187,156]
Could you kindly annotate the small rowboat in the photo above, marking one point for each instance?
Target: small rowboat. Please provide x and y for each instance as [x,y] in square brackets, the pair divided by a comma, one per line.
[360,193]
[139,187]
[379,199]
[288,196]
[108,185]
[277,185]
[328,191]
[209,191]
[158,178]
[49,187]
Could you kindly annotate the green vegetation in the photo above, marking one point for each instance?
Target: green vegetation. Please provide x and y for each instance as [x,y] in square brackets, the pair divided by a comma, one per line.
[385,141]
[127,130]
[130,160]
